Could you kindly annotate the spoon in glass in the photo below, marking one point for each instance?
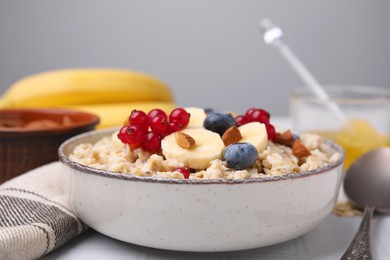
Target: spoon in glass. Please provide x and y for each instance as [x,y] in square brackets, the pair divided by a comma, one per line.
[367,184]
[272,35]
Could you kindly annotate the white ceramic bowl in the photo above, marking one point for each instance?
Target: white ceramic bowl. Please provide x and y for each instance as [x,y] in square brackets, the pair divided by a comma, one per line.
[200,215]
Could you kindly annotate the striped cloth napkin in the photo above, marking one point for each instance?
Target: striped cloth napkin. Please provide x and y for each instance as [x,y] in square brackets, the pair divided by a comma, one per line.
[35,214]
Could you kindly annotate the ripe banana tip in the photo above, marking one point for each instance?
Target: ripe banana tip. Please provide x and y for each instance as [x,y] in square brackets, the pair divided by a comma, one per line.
[3,103]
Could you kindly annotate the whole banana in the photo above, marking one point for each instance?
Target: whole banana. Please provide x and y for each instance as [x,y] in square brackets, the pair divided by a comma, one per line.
[84,86]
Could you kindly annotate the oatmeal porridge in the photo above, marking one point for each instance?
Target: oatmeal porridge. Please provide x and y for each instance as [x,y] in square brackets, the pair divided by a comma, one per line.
[205,146]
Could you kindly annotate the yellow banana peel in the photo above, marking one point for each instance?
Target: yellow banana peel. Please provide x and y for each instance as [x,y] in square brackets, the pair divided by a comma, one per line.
[3,104]
[85,86]
[115,114]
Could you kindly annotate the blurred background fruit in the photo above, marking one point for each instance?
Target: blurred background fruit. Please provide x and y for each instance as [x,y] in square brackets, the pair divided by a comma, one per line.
[109,93]
[114,114]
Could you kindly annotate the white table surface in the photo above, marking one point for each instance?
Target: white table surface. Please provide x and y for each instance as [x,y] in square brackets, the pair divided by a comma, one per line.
[328,240]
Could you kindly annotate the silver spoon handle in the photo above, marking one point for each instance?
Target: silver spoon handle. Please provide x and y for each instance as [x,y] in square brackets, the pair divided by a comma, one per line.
[360,246]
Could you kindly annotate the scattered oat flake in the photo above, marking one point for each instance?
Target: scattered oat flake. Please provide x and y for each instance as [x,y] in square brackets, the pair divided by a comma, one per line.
[347,209]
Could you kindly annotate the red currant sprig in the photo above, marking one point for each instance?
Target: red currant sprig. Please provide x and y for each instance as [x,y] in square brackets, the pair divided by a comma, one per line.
[136,131]
[257,115]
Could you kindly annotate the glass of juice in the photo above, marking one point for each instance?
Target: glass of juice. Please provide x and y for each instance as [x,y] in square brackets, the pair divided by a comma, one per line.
[366,110]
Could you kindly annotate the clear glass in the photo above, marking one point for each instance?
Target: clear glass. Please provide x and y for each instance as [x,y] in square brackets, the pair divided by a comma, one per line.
[367,110]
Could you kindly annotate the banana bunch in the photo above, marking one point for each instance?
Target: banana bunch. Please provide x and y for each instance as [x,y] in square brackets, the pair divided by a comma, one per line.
[109,93]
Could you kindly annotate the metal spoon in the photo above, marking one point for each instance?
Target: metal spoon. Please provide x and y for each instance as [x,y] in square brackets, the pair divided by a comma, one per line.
[367,184]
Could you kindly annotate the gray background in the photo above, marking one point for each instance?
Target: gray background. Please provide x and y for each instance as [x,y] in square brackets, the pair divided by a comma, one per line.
[209,52]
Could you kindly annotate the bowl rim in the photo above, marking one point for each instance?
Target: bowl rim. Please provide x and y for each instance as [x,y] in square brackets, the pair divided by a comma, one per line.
[92,120]
[153,179]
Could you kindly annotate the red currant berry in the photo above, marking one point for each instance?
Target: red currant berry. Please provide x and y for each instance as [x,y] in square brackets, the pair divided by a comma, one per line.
[152,142]
[156,112]
[159,125]
[169,130]
[249,112]
[184,171]
[241,120]
[270,131]
[122,134]
[138,117]
[267,113]
[174,127]
[180,116]
[134,136]
[259,115]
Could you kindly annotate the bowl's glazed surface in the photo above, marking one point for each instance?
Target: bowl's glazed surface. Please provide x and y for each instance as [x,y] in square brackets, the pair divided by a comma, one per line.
[200,215]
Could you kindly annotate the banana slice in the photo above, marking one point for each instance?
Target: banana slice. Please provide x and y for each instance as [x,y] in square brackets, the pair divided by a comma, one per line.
[208,146]
[254,133]
[197,117]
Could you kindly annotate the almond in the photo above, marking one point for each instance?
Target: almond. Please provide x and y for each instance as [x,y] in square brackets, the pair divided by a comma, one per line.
[231,136]
[285,138]
[184,140]
[300,150]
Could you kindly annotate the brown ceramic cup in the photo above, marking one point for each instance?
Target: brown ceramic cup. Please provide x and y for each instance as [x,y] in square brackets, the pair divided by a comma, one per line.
[30,137]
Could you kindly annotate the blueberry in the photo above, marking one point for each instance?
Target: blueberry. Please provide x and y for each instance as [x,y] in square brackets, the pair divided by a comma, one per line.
[295,136]
[210,110]
[240,156]
[218,122]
